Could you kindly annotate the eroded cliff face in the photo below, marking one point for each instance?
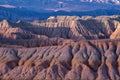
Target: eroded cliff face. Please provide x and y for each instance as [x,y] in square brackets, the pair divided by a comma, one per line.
[78,61]
[61,48]
[67,27]
[76,28]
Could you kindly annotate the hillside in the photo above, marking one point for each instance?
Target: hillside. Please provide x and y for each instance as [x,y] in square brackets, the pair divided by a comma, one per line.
[72,28]
[61,47]
[85,61]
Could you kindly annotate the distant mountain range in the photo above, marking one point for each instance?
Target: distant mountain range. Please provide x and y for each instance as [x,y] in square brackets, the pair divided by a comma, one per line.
[66,5]
[15,14]
[28,10]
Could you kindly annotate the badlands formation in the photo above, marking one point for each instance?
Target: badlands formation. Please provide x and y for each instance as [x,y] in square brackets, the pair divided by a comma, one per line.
[61,48]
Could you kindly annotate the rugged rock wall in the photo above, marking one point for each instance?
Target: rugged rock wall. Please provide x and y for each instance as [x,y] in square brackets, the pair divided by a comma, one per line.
[12,31]
[76,28]
[67,27]
[61,48]
[78,61]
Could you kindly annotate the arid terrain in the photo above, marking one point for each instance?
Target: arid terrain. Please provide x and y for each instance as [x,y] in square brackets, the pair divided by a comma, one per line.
[61,48]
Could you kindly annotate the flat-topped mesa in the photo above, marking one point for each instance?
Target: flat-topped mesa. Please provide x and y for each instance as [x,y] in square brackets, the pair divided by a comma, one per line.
[58,21]
[68,18]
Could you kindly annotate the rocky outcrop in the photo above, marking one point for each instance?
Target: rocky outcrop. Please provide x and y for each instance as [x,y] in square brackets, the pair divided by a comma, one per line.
[68,48]
[79,61]
[67,27]
[58,30]
[10,30]
[116,33]
[77,28]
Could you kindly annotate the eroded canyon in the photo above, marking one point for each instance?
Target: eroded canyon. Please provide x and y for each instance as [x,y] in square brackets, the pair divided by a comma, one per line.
[61,48]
